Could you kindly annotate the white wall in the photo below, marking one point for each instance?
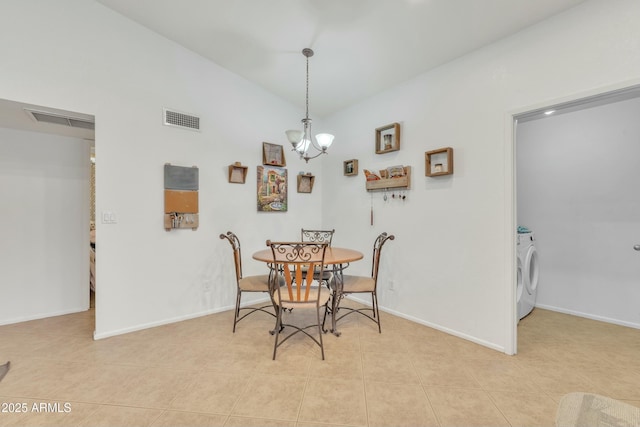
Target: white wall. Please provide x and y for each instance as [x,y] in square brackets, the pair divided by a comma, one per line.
[453,258]
[577,190]
[454,253]
[77,55]
[44,188]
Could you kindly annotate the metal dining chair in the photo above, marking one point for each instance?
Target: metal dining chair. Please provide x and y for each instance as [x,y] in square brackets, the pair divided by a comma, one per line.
[319,236]
[293,286]
[247,284]
[343,285]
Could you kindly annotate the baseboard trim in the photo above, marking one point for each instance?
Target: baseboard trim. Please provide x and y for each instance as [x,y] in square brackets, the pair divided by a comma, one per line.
[440,328]
[163,322]
[174,319]
[42,316]
[589,316]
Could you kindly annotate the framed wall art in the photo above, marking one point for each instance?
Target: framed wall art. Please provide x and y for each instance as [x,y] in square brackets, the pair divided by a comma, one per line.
[181,184]
[388,138]
[305,183]
[237,173]
[272,189]
[350,167]
[273,155]
[438,162]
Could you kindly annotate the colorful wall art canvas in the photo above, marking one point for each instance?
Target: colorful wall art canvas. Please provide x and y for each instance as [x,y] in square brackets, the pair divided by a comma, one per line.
[272,189]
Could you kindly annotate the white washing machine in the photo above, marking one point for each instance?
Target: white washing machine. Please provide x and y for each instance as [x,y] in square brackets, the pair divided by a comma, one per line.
[527,283]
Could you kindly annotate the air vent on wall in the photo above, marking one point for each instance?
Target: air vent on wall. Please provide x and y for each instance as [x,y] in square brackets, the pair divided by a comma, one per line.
[60,119]
[181,120]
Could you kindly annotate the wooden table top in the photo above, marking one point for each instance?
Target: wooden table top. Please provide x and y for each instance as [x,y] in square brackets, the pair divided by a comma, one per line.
[333,255]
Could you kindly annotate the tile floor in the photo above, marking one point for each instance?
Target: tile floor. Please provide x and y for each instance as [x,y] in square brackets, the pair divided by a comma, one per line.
[197,373]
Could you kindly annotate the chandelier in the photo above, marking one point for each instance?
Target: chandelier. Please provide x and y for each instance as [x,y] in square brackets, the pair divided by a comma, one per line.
[302,140]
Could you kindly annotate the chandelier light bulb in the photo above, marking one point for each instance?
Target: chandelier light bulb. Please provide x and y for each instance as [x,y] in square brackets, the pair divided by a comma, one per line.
[294,136]
[324,140]
[303,146]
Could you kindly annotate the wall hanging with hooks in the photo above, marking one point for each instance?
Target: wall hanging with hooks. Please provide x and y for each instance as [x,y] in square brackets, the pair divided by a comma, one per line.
[180,197]
[391,177]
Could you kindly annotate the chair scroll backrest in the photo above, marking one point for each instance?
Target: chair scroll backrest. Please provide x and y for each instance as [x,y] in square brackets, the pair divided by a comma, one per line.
[377,248]
[317,236]
[237,253]
[296,261]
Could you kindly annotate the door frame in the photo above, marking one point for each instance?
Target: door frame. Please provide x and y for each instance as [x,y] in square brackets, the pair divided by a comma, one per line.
[603,95]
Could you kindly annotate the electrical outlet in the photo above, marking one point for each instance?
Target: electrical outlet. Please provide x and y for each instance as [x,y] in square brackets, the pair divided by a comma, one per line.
[392,285]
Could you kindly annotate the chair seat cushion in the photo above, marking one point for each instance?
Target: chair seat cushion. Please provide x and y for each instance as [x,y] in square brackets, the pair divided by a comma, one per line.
[325,294]
[254,283]
[357,284]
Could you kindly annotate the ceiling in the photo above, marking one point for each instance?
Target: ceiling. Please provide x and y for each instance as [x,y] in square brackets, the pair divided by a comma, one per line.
[362,47]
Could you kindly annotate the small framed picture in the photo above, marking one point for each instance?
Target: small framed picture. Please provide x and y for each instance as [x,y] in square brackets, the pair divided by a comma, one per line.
[273,155]
[305,183]
[237,173]
[388,138]
[350,167]
[438,162]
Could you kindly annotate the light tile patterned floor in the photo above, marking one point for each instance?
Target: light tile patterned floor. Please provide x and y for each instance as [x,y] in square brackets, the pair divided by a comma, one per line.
[198,373]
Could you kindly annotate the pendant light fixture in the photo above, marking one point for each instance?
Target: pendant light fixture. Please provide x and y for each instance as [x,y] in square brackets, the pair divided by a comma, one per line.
[302,140]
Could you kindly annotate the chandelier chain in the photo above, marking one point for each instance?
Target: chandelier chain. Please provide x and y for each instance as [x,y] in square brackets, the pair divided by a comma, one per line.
[307,100]
[302,141]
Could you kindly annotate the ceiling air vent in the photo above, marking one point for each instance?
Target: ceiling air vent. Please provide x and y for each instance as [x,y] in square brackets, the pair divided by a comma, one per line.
[60,119]
[181,120]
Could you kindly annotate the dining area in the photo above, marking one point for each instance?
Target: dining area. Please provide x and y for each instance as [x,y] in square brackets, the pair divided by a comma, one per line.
[305,284]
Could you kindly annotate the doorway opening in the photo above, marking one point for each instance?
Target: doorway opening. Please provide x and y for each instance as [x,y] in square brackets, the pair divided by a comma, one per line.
[45,178]
[574,170]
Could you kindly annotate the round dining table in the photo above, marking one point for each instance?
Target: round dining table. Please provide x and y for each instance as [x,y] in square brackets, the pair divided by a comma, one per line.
[333,256]
[338,259]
